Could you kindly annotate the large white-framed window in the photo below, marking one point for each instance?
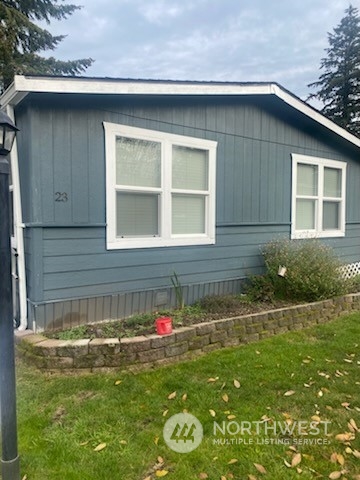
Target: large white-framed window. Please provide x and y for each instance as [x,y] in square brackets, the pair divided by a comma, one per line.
[318,197]
[160,188]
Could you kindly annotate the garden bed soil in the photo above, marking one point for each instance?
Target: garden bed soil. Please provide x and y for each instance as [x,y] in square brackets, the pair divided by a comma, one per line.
[145,324]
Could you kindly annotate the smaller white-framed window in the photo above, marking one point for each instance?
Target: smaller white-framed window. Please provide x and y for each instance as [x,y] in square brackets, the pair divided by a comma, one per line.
[160,188]
[318,197]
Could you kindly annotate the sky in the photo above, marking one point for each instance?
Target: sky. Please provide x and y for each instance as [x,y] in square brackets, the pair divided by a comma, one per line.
[279,41]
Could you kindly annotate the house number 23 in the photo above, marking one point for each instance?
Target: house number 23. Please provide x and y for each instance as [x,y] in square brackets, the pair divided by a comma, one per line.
[61,197]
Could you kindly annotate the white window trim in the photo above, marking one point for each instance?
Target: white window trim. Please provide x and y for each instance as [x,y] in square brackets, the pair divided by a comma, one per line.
[113,130]
[318,232]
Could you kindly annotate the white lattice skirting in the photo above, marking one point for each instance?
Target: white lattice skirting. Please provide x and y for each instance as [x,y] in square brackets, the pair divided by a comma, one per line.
[350,270]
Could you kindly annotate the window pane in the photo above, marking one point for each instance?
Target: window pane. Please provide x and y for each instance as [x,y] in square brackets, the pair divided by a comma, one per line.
[305,214]
[137,214]
[307,179]
[332,182]
[138,162]
[188,214]
[189,168]
[331,215]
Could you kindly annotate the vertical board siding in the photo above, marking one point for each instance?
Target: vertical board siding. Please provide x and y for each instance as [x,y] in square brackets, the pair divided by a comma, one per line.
[72,313]
[67,261]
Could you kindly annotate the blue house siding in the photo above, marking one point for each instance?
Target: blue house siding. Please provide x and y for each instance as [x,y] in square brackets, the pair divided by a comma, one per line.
[73,278]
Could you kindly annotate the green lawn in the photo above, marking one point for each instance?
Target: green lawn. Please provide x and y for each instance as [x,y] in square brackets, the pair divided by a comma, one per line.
[62,419]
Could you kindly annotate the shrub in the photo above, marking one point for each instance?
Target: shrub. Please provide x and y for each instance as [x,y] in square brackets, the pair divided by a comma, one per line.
[311,270]
[260,288]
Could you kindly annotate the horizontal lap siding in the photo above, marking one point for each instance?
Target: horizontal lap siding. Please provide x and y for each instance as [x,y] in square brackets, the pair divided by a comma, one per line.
[82,266]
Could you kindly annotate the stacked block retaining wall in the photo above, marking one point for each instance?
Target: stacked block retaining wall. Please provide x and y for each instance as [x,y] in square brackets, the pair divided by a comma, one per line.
[144,352]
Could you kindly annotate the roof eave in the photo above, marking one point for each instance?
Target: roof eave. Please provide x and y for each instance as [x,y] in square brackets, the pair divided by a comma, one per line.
[23,85]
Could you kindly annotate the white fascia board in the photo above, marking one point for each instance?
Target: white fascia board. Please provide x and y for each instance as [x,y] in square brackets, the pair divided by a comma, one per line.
[129,87]
[23,85]
[313,114]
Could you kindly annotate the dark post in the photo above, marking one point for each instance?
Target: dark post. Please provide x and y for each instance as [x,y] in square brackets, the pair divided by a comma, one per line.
[10,460]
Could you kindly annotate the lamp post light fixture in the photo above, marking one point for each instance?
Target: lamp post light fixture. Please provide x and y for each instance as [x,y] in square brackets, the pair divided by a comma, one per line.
[10,464]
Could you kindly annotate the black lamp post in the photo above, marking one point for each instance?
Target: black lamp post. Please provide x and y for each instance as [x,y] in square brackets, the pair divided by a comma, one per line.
[9,460]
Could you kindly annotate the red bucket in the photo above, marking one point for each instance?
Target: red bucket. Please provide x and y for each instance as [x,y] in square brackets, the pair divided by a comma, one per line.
[163,325]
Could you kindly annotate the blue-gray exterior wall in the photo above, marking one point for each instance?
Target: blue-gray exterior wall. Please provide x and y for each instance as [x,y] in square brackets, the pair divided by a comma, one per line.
[66,256]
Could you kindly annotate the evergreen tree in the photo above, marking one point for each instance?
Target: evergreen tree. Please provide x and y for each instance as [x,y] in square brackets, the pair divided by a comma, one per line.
[339,85]
[21,39]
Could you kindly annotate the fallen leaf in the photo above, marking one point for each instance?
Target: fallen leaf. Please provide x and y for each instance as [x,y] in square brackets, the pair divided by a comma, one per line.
[161,473]
[260,468]
[296,460]
[212,413]
[333,457]
[252,477]
[160,460]
[100,447]
[172,396]
[232,461]
[123,442]
[345,437]
[353,424]
[236,384]
[147,478]
[287,464]
[84,443]
[184,397]
[340,459]
[165,412]
[223,477]
[212,380]
[24,477]
[335,475]
[156,440]
[316,418]
[225,397]
[203,476]
[356,453]
[231,417]
[347,360]
[320,393]
[118,382]
[289,393]
[306,360]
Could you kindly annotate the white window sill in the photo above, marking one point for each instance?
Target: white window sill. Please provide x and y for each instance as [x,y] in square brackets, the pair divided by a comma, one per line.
[128,243]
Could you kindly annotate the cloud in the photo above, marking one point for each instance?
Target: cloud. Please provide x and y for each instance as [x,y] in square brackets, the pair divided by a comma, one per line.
[247,40]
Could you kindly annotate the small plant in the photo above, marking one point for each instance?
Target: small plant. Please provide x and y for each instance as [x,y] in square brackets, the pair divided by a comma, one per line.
[178,290]
[311,270]
[219,303]
[75,333]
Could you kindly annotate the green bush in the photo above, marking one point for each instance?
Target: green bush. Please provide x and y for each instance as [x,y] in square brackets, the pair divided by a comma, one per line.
[260,288]
[354,284]
[311,270]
